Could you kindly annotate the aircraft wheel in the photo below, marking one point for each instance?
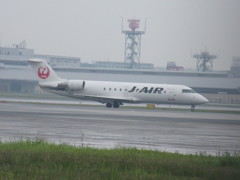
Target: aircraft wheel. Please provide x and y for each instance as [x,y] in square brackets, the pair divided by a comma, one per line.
[193,108]
[116,105]
[108,105]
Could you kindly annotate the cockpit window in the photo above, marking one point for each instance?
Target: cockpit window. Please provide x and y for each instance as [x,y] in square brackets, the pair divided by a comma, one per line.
[188,91]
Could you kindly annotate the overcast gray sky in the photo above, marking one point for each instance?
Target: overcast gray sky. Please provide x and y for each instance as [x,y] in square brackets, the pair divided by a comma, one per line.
[91,29]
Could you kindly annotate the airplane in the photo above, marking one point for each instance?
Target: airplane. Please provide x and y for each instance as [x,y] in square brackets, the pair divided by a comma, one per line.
[114,94]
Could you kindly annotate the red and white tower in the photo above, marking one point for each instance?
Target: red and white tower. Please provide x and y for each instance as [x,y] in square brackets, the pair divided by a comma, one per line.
[132,44]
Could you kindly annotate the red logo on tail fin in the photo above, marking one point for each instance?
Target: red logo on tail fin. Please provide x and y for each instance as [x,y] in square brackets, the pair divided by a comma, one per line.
[43,72]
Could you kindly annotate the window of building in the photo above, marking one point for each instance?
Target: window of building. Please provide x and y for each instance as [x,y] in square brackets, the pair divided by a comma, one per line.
[188,91]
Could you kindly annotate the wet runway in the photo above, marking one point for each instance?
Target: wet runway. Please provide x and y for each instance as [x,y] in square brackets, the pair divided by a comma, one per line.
[92,126]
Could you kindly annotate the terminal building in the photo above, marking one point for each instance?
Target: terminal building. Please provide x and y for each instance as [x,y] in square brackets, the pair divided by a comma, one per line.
[17,76]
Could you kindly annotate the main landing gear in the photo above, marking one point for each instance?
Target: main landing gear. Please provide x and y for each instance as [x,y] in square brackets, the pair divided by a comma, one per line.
[192,108]
[108,105]
[115,104]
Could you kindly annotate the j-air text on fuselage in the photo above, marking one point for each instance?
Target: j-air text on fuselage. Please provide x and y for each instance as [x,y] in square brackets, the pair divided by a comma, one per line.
[114,94]
[146,90]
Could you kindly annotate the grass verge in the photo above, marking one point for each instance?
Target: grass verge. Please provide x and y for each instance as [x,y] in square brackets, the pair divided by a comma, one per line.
[41,160]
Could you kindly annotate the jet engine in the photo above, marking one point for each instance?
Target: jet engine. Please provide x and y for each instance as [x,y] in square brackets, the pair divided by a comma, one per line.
[76,84]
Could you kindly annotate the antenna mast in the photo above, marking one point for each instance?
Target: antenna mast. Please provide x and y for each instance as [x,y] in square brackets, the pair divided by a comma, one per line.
[204,61]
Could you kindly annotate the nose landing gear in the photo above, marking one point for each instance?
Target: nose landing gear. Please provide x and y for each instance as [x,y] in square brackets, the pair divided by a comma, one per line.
[192,108]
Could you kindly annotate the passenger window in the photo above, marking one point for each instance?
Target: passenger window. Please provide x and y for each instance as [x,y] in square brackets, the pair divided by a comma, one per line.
[120,89]
[115,89]
[104,89]
[110,89]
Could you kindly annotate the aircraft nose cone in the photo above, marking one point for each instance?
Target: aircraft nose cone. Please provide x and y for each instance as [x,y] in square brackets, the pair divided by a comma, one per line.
[199,99]
[204,100]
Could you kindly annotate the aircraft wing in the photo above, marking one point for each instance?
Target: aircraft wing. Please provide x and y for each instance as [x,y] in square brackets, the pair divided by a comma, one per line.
[104,99]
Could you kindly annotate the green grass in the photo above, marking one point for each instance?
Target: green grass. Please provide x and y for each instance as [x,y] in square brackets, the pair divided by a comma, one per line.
[41,160]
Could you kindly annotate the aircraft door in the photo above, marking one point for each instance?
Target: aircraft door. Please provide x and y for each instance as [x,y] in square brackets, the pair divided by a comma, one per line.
[171,95]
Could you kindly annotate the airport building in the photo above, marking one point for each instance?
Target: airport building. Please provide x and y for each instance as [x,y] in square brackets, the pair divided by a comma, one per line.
[17,76]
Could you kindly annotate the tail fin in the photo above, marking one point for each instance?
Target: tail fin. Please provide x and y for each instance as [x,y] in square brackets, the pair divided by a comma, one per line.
[43,71]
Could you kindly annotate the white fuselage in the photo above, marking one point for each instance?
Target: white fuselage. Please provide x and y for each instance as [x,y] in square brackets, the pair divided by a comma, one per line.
[104,92]
[114,94]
